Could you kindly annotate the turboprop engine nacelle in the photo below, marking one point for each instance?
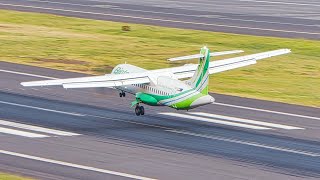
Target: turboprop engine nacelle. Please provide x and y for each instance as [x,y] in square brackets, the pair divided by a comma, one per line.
[146,99]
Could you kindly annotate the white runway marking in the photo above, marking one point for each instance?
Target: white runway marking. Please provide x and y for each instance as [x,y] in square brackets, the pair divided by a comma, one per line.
[216,121]
[255,144]
[36,128]
[281,126]
[280,2]
[268,111]
[26,74]
[74,165]
[21,133]
[42,109]
[162,20]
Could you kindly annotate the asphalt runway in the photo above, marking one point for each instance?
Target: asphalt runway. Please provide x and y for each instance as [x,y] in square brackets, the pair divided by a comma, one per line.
[280,18]
[52,133]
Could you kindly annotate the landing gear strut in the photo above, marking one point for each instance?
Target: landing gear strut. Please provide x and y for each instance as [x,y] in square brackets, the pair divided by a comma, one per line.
[122,94]
[139,110]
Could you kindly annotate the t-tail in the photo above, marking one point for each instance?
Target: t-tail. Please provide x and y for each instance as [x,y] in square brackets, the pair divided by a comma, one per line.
[200,79]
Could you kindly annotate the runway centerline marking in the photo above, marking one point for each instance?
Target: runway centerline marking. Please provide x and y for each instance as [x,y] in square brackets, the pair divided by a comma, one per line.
[161,20]
[249,143]
[215,121]
[26,74]
[37,128]
[268,124]
[42,109]
[268,111]
[74,165]
[21,133]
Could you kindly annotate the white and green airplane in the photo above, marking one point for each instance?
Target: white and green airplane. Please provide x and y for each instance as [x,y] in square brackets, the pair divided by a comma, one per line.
[183,87]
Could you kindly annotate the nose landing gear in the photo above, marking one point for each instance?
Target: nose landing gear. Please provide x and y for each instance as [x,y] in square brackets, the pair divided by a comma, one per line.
[139,110]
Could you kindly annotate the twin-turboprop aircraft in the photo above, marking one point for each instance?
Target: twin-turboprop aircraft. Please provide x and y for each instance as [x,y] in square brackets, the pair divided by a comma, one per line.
[165,87]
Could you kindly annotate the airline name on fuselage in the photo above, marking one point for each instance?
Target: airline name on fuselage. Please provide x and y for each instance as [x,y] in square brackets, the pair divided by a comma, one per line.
[120,70]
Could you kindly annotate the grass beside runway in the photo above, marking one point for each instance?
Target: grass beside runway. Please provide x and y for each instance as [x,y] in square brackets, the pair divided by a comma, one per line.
[4,176]
[95,47]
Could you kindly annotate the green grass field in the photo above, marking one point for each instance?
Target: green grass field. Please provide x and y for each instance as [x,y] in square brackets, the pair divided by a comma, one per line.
[4,176]
[95,47]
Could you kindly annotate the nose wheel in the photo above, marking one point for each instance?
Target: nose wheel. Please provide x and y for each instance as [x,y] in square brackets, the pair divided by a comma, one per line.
[139,110]
[122,94]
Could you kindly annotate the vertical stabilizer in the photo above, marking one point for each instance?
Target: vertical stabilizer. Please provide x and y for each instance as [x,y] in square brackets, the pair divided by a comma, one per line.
[200,79]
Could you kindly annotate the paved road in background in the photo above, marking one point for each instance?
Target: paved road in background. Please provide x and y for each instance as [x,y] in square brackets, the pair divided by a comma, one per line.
[52,133]
[280,18]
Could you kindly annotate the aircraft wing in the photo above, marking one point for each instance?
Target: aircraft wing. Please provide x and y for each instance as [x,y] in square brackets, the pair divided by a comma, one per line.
[109,80]
[188,70]
[114,80]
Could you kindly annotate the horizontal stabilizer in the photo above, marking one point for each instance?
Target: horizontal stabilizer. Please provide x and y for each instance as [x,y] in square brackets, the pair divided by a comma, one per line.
[195,56]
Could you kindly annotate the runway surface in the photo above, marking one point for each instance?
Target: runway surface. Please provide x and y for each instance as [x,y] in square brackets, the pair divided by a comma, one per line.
[52,133]
[280,18]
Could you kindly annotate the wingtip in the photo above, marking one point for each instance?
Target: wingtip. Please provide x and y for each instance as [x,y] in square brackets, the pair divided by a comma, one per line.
[287,50]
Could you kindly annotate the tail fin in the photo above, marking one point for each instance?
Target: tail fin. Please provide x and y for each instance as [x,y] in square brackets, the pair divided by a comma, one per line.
[200,79]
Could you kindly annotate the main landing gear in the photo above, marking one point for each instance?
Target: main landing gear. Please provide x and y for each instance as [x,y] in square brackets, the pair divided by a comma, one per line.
[139,110]
[122,94]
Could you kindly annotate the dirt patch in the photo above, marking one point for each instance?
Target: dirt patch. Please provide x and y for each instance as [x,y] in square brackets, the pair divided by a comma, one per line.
[3,26]
[63,61]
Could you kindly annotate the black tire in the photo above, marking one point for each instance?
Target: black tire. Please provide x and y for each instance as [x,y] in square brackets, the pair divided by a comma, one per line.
[137,111]
[124,94]
[141,110]
[120,94]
